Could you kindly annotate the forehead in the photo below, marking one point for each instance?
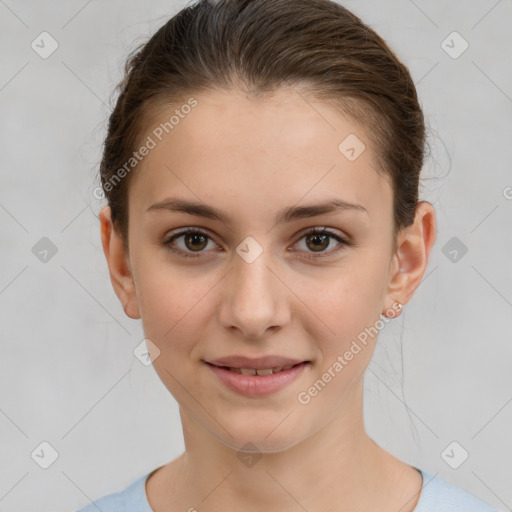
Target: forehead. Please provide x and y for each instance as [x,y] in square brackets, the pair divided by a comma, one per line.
[258,150]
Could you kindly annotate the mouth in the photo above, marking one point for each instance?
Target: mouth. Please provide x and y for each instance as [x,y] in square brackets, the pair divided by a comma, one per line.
[260,372]
[254,383]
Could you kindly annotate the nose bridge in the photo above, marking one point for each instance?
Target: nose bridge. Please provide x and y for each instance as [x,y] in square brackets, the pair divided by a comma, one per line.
[254,279]
[254,299]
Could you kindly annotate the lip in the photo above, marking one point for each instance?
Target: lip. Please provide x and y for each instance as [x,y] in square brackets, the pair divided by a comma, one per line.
[257,363]
[258,385]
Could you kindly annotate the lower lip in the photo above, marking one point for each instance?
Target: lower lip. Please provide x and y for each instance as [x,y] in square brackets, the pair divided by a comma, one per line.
[256,385]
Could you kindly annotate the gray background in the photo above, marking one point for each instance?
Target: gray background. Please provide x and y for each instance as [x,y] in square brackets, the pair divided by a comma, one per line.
[67,369]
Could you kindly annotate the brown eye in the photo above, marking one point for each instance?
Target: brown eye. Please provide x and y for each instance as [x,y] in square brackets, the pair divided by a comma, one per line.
[318,241]
[194,241]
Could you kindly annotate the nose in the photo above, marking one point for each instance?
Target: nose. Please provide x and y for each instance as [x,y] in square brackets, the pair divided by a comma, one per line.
[254,299]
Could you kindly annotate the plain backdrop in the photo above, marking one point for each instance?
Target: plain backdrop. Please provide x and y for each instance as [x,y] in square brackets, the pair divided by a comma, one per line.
[68,375]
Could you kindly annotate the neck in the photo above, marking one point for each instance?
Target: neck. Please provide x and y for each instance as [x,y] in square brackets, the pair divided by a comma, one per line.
[339,464]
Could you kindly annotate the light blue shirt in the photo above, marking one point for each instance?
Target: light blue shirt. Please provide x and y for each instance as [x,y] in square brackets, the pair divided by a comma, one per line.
[436,496]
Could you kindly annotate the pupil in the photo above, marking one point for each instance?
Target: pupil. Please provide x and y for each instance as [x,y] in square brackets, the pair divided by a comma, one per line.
[195,237]
[317,237]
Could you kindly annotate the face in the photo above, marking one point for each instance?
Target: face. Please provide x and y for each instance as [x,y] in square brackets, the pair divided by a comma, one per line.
[259,281]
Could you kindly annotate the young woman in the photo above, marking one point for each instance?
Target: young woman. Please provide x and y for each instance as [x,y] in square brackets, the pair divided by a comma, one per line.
[261,169]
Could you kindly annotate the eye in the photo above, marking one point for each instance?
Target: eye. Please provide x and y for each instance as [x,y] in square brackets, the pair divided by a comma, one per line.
[320,239]
[195,241]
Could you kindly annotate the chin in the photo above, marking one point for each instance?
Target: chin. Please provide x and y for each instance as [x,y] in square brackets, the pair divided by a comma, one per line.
[265,438]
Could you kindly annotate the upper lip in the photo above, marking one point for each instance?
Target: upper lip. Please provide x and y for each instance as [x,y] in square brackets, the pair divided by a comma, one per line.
[257,363]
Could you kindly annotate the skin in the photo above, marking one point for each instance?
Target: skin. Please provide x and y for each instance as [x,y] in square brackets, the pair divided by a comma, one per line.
[251,158]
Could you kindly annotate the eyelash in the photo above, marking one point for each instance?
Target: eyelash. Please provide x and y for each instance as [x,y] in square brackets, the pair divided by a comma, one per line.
[324,231]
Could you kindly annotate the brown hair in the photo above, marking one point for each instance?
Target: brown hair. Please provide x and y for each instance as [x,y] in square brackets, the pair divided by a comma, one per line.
[264,44]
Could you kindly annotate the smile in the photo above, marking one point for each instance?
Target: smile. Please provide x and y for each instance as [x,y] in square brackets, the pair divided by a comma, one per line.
[263,371]
[255,383]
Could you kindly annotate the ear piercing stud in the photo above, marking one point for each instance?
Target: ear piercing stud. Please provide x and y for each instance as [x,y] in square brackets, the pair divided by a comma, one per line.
[397,305]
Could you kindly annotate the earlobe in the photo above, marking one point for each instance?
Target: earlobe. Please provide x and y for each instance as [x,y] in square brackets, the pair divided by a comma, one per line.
[118,264]
[411,258]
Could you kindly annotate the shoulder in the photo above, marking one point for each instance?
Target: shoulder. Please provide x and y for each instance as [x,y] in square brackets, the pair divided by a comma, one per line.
[438,495]
[130,499]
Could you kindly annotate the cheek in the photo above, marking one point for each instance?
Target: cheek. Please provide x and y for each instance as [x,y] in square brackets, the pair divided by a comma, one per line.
[345,309]
[347,298]
[345,334]
[175,314]
[169,297]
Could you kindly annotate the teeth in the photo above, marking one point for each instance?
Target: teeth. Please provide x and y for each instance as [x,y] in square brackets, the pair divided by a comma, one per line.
[264,371]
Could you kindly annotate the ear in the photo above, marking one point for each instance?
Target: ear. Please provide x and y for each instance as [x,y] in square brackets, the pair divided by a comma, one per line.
[411,257]
[118,264]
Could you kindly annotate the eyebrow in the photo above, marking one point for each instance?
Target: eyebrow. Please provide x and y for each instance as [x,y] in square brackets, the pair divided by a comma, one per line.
[287,215]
